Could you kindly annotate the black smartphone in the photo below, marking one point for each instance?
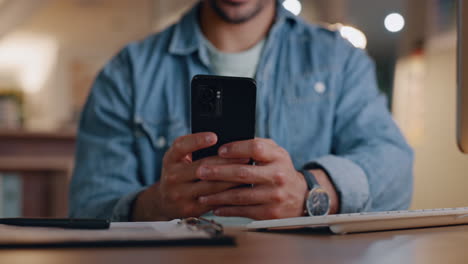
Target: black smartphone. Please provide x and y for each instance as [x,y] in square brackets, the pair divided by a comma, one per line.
[224,106]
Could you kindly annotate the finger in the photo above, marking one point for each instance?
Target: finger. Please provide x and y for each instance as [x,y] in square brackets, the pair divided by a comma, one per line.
[204,188]
[269,141]
[246,174]
[217,160]
[185,145]
[258,149]
[242,196]
[188,172]
[257,212]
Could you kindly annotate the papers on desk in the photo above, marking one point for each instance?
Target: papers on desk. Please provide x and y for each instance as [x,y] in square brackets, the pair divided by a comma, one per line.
[172,233]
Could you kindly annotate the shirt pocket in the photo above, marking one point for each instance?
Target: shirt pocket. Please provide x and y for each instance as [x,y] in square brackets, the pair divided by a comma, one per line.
[307,115]
[161,134]
[311,87]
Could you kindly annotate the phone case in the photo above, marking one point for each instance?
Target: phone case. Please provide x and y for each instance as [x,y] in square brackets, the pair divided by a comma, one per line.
[225,106]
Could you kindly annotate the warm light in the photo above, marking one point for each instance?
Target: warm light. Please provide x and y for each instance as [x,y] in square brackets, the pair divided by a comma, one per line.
[394,22]
[354,35]
[29,58]
[293,6]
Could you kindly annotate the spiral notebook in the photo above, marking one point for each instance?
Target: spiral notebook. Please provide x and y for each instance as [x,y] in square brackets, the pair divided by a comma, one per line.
[190,231]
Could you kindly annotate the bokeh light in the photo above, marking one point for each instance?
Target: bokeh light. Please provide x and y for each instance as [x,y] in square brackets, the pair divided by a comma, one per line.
[394,22]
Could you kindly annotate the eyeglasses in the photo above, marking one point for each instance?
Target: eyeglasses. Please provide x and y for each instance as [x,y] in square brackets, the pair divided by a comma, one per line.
[199,223]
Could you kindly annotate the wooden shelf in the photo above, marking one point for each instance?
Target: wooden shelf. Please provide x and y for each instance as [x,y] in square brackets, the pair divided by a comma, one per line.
[31,164]
[44,160]
[25,134]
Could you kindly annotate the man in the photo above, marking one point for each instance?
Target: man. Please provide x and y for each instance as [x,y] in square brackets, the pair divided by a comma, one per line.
[318,108]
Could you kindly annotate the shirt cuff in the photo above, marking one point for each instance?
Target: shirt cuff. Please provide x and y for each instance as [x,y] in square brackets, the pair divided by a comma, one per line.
[349,180]
[124,207]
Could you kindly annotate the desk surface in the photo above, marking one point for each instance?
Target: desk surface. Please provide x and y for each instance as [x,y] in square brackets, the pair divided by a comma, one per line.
[433,245]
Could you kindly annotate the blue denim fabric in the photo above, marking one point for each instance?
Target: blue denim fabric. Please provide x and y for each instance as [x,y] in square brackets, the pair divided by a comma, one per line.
[317,98]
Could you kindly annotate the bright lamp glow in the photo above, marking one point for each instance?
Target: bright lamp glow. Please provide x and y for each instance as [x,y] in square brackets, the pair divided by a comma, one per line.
[29,57]
[394,22]
[354,35]
[293,6]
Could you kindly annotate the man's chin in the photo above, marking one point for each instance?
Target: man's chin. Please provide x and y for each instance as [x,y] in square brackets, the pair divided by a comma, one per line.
[236,11]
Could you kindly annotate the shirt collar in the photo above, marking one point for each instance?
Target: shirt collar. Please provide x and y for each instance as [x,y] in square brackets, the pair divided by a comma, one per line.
[186,37]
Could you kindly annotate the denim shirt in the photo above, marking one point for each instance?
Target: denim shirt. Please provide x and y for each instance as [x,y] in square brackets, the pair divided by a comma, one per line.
[317,98]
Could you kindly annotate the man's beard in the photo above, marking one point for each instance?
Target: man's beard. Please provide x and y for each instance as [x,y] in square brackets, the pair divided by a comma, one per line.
[241,18]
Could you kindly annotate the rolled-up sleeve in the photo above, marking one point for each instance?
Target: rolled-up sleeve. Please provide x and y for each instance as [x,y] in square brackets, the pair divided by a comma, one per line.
[353,191]
[370,163]
[105,181]
[124,207]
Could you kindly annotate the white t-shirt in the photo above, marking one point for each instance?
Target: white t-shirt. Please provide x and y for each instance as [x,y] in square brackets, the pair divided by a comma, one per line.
[240,64]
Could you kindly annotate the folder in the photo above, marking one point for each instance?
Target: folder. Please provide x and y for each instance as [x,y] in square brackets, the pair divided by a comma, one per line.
[185,232]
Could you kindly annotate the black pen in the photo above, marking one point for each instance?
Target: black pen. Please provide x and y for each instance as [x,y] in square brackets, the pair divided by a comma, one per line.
[71,223]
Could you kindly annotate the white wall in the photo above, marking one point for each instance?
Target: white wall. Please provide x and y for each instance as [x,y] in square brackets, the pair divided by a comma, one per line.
[441,171]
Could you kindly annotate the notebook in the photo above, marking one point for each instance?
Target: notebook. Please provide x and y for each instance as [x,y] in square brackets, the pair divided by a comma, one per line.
[190,231]
[371,221]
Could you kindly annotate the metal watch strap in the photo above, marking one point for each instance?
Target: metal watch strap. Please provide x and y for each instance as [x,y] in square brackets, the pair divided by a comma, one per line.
[310,179]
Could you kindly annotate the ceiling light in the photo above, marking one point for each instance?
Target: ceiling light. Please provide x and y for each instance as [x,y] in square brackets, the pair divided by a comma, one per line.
[353,35]
[394,22]
[293,6]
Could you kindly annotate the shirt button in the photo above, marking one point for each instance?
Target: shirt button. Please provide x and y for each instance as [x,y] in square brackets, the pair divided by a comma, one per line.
[161,142]
[320,87]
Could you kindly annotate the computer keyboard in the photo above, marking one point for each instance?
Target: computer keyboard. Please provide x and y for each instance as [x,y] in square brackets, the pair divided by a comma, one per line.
[371,221]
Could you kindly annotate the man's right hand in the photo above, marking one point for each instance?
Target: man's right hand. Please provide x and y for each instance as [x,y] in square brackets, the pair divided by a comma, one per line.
[176,194]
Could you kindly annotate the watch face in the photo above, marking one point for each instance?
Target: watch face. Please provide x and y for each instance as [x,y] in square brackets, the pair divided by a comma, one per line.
[318,202]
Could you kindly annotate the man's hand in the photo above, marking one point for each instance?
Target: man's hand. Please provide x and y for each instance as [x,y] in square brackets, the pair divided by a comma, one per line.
[279,190]
[176,194]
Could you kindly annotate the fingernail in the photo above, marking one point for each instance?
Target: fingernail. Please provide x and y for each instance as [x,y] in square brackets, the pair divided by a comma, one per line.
[222,151]
[202,199]
[204,172]
[209,139]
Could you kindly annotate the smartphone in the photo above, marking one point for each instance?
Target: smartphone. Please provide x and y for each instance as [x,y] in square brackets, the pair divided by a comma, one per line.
[224,106]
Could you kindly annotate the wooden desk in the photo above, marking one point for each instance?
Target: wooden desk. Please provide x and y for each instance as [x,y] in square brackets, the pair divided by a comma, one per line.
[44,161]
[425,246]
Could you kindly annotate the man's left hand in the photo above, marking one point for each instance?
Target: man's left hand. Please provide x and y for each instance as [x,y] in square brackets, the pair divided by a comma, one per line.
[278,189]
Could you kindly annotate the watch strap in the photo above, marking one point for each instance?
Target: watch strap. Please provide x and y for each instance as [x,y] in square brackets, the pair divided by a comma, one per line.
[309,178]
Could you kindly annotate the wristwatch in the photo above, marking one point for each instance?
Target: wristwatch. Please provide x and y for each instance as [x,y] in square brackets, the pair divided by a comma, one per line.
[317,201]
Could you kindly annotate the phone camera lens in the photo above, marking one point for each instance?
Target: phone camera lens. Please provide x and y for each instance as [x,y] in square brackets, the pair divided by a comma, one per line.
[207,107]
[207,94]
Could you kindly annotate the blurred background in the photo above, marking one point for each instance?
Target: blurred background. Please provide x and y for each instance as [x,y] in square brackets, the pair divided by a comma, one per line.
[51,50]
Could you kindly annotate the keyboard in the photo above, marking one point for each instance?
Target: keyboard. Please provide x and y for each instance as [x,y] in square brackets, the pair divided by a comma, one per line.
[371,221]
